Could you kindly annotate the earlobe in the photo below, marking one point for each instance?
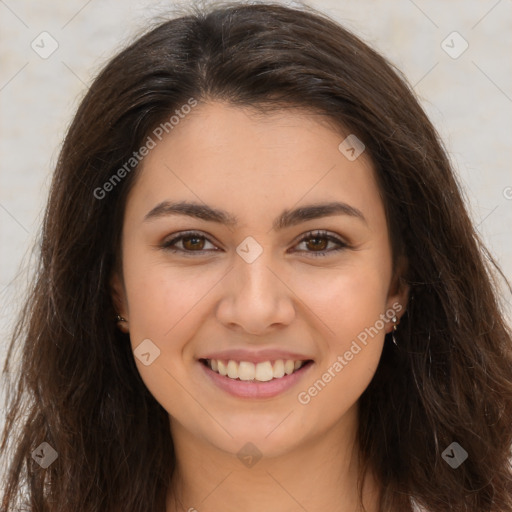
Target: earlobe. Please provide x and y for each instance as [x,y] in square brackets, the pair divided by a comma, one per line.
[119,301]
[397,304]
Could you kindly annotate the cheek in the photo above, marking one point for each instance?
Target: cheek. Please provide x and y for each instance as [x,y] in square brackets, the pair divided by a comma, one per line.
[350,306]
[356,305]
[167,305]
[161,297]
[345,300]
[164,304]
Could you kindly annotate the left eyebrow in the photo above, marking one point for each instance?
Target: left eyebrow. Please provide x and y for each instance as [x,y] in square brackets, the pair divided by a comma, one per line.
[286,219]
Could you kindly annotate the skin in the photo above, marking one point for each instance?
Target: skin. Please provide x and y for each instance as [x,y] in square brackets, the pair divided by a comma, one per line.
[255,167]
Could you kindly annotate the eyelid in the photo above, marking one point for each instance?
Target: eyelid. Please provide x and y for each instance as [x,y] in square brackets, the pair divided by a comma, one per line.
[322,233]
[186,234]
[331,237]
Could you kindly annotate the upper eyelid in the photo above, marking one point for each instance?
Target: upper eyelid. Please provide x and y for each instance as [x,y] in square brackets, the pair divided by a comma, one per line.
[179,236]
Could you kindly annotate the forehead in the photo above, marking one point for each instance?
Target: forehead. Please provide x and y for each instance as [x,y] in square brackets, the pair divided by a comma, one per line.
[245,161]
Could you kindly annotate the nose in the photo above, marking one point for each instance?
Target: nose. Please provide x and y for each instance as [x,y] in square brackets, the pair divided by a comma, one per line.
[255,297]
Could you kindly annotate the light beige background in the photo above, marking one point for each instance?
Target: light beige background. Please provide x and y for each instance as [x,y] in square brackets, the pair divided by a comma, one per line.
[469,99]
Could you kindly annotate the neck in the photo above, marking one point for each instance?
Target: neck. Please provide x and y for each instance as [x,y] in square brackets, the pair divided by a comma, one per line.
[316,475]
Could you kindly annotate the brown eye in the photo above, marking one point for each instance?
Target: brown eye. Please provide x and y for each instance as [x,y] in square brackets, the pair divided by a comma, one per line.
[316,243]
[191,242]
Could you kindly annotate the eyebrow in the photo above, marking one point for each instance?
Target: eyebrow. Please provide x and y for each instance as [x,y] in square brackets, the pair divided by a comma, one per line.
[287,218]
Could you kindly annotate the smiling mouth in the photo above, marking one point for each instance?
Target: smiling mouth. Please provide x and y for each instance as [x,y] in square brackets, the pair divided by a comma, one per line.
[260,372]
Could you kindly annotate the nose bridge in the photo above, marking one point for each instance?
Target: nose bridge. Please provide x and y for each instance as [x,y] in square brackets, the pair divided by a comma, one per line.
[256,283]
[257,297]
[256,277]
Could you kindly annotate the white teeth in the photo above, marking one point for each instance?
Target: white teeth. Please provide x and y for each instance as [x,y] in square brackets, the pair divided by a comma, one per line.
[232,370]
[278,369]
[263,372]
[222,368]
[246,370]
[289,367]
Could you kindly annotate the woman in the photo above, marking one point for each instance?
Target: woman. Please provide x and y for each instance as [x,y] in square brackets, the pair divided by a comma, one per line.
[259,289]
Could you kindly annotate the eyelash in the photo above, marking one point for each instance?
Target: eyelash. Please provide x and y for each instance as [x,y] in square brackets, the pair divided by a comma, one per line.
[312,234]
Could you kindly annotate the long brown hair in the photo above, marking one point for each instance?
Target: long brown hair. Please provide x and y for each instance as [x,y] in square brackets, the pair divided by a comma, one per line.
[77,387]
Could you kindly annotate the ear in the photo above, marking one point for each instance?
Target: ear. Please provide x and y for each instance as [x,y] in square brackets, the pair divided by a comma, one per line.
[118,294]
[398,296]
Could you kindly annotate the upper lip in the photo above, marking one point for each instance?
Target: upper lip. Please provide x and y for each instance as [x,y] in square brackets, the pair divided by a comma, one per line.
[256,356]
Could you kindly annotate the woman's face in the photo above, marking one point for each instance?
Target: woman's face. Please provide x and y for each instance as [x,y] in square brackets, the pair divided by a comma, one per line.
[256,291]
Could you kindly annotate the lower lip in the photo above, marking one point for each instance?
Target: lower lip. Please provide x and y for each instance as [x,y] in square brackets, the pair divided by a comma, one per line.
[255,389]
